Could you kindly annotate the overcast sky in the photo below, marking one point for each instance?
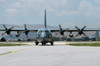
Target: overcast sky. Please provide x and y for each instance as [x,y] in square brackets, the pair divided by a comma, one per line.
[68,13]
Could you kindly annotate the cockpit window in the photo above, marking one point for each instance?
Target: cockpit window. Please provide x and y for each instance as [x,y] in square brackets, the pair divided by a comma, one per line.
[46,31]
[40,31]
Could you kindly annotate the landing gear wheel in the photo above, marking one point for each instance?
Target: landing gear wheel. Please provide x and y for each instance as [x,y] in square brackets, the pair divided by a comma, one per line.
[36,43]
[51,43]
[43,43]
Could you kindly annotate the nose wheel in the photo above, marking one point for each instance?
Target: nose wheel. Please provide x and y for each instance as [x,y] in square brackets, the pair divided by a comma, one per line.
[36,43]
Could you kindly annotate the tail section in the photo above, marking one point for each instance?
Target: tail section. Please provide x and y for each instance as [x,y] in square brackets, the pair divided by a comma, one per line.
[45,20]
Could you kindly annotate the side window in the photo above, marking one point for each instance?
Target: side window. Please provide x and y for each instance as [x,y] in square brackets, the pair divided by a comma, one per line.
[39,31]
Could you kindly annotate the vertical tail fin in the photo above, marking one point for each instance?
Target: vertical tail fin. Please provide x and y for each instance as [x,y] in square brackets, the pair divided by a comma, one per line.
[45,22]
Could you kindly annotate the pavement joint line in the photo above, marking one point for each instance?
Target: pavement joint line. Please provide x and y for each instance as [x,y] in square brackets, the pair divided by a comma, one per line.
[10,52]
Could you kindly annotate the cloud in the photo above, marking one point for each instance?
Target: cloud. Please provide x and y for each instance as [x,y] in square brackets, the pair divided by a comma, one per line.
[57,7]
[85,8]
[2,1]
[17,5]
[14,8]
[89,10]
[97,1]
[29,6]
[69,11]
[11,10]
[44,4]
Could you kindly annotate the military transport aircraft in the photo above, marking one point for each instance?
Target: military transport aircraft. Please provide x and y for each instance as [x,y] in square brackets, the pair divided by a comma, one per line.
[45,35]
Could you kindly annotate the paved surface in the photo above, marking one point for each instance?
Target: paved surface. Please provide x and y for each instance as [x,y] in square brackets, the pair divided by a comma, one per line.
[58,55]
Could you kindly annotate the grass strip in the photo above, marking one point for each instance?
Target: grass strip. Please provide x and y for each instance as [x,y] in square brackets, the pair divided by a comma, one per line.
[12,44]
[85,44]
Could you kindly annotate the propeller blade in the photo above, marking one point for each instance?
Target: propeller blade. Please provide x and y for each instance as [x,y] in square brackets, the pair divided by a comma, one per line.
[12,27]
[64,36]
[77,35]
[83,28]
[5,27]
[26,31]
[61,30]
[10,35]
[60,27]
[84,34]
[77,28]
[3,33]
[27,37]
[25,27]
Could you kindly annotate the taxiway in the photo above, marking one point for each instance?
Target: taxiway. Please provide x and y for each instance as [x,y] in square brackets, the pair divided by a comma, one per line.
[58,55]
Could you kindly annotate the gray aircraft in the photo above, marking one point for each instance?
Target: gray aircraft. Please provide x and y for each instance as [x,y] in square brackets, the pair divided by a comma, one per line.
[44,35]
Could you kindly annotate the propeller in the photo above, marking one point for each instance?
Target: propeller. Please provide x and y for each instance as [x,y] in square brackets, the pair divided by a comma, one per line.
[61,30]
[80,31]
[26,31]
[8,31]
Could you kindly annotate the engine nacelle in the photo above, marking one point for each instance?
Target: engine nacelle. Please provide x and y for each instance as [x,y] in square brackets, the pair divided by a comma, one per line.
[71,35]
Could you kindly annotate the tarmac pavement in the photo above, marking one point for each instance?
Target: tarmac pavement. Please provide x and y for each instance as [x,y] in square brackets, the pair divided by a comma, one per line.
[58,55]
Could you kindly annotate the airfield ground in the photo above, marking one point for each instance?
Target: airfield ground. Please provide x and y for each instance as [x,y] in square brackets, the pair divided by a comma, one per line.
[58,55]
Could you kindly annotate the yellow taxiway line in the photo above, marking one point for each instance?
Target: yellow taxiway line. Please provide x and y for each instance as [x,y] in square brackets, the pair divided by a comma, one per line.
[10,52]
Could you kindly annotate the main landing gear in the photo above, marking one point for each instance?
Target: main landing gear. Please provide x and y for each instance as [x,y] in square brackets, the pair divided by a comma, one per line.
[44,43]
[51,43]
[36,43]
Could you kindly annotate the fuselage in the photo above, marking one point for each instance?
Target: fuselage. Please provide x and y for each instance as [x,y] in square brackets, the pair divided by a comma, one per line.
[44,35]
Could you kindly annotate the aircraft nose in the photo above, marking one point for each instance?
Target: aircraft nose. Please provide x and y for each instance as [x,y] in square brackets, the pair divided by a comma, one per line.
[43,35]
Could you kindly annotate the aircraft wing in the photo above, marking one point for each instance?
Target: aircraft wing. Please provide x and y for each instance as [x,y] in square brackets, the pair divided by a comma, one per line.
[20,30]
[75,30]
[55,30]
[58,30]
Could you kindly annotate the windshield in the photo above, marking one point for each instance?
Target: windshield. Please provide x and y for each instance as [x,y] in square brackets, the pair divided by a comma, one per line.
[40,31]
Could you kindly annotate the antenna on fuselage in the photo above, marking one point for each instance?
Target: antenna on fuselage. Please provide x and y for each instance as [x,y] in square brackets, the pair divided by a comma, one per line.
[45,20]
